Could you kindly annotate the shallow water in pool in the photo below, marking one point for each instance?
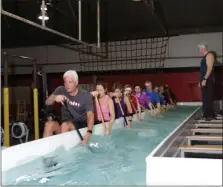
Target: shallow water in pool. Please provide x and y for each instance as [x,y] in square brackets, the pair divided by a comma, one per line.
[116,160]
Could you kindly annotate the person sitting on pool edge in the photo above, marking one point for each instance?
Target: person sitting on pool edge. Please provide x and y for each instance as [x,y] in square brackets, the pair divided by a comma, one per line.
[79,103]
[106,106]
[152,95]
[121,104]
[144,102]
[157,90]
[171,98]
[133,101]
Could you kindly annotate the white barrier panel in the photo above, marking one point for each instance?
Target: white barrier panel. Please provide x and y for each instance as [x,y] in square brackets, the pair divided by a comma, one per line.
[189,103]
[26,152]
[183,171]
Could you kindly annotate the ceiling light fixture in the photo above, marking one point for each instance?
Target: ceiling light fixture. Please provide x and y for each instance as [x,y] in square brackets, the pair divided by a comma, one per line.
[44,8]
[43,14]
[46,17]
[136,0]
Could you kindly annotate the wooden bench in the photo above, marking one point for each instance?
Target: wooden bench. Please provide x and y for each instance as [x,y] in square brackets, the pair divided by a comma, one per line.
[212,125]
[207,130]
[212,149]
[203,138]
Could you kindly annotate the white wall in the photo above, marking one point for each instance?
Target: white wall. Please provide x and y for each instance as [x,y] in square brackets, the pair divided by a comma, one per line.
[179,46]
[185,45]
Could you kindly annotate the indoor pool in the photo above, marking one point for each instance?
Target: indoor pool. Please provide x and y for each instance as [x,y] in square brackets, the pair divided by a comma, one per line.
[116,160]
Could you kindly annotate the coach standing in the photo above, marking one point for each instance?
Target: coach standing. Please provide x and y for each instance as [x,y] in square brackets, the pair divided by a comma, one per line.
[207,80]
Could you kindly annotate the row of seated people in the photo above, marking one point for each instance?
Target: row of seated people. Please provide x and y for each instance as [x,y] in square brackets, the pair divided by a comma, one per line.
[88,109]
[130,101]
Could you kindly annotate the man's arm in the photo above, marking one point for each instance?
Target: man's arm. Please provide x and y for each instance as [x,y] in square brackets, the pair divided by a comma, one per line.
[51,99]
[210,63]
[89,108]
[90,120]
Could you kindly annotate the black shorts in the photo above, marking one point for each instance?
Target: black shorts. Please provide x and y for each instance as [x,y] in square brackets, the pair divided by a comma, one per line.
[77,124]
[129,114]
[98,122]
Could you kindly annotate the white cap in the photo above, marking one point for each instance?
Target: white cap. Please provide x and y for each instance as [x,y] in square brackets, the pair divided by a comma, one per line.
[128,89]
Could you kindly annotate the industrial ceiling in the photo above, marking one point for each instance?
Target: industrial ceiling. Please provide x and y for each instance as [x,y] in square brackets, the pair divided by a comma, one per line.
[120,19]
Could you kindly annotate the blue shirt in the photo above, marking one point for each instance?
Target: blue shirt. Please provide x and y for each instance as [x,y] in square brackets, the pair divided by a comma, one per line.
[161,99]
[152,96]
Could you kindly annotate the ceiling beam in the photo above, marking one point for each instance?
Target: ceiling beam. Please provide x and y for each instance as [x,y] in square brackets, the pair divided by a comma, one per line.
[76,48]
[194,30]
[151,7]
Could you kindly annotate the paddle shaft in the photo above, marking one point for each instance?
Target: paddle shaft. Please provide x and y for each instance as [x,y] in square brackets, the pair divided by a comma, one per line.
[100,111]
[78,132]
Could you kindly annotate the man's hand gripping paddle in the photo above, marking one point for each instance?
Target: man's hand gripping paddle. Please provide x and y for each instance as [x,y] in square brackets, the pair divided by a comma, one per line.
[78,132]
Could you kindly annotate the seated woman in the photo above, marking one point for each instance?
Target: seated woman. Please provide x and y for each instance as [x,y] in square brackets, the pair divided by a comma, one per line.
[104,108]
[133,101]
[144,102]
[121,104]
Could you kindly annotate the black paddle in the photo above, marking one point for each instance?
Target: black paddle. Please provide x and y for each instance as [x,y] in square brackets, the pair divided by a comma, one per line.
[78,132]
[124,116]
[126,124]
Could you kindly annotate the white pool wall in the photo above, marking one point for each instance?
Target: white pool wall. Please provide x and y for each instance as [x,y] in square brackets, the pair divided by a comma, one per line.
[23,153]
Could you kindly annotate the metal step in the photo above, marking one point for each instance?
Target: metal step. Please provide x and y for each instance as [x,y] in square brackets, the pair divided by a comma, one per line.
[212,149]
[207,130]
[219,118]
[203,138]
[211,125]
[212,121]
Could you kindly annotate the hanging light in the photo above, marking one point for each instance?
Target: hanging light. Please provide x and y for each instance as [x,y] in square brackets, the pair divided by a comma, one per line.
[46,17]
[43,14]
[44,8]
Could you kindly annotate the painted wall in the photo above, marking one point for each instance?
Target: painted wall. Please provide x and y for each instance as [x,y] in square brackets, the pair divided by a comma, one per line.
[176,47]
[184,83]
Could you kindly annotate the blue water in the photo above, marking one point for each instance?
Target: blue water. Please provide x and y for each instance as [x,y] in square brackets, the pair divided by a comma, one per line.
[116,160]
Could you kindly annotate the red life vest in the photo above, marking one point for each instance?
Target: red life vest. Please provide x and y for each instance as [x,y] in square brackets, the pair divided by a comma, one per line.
[134,103]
